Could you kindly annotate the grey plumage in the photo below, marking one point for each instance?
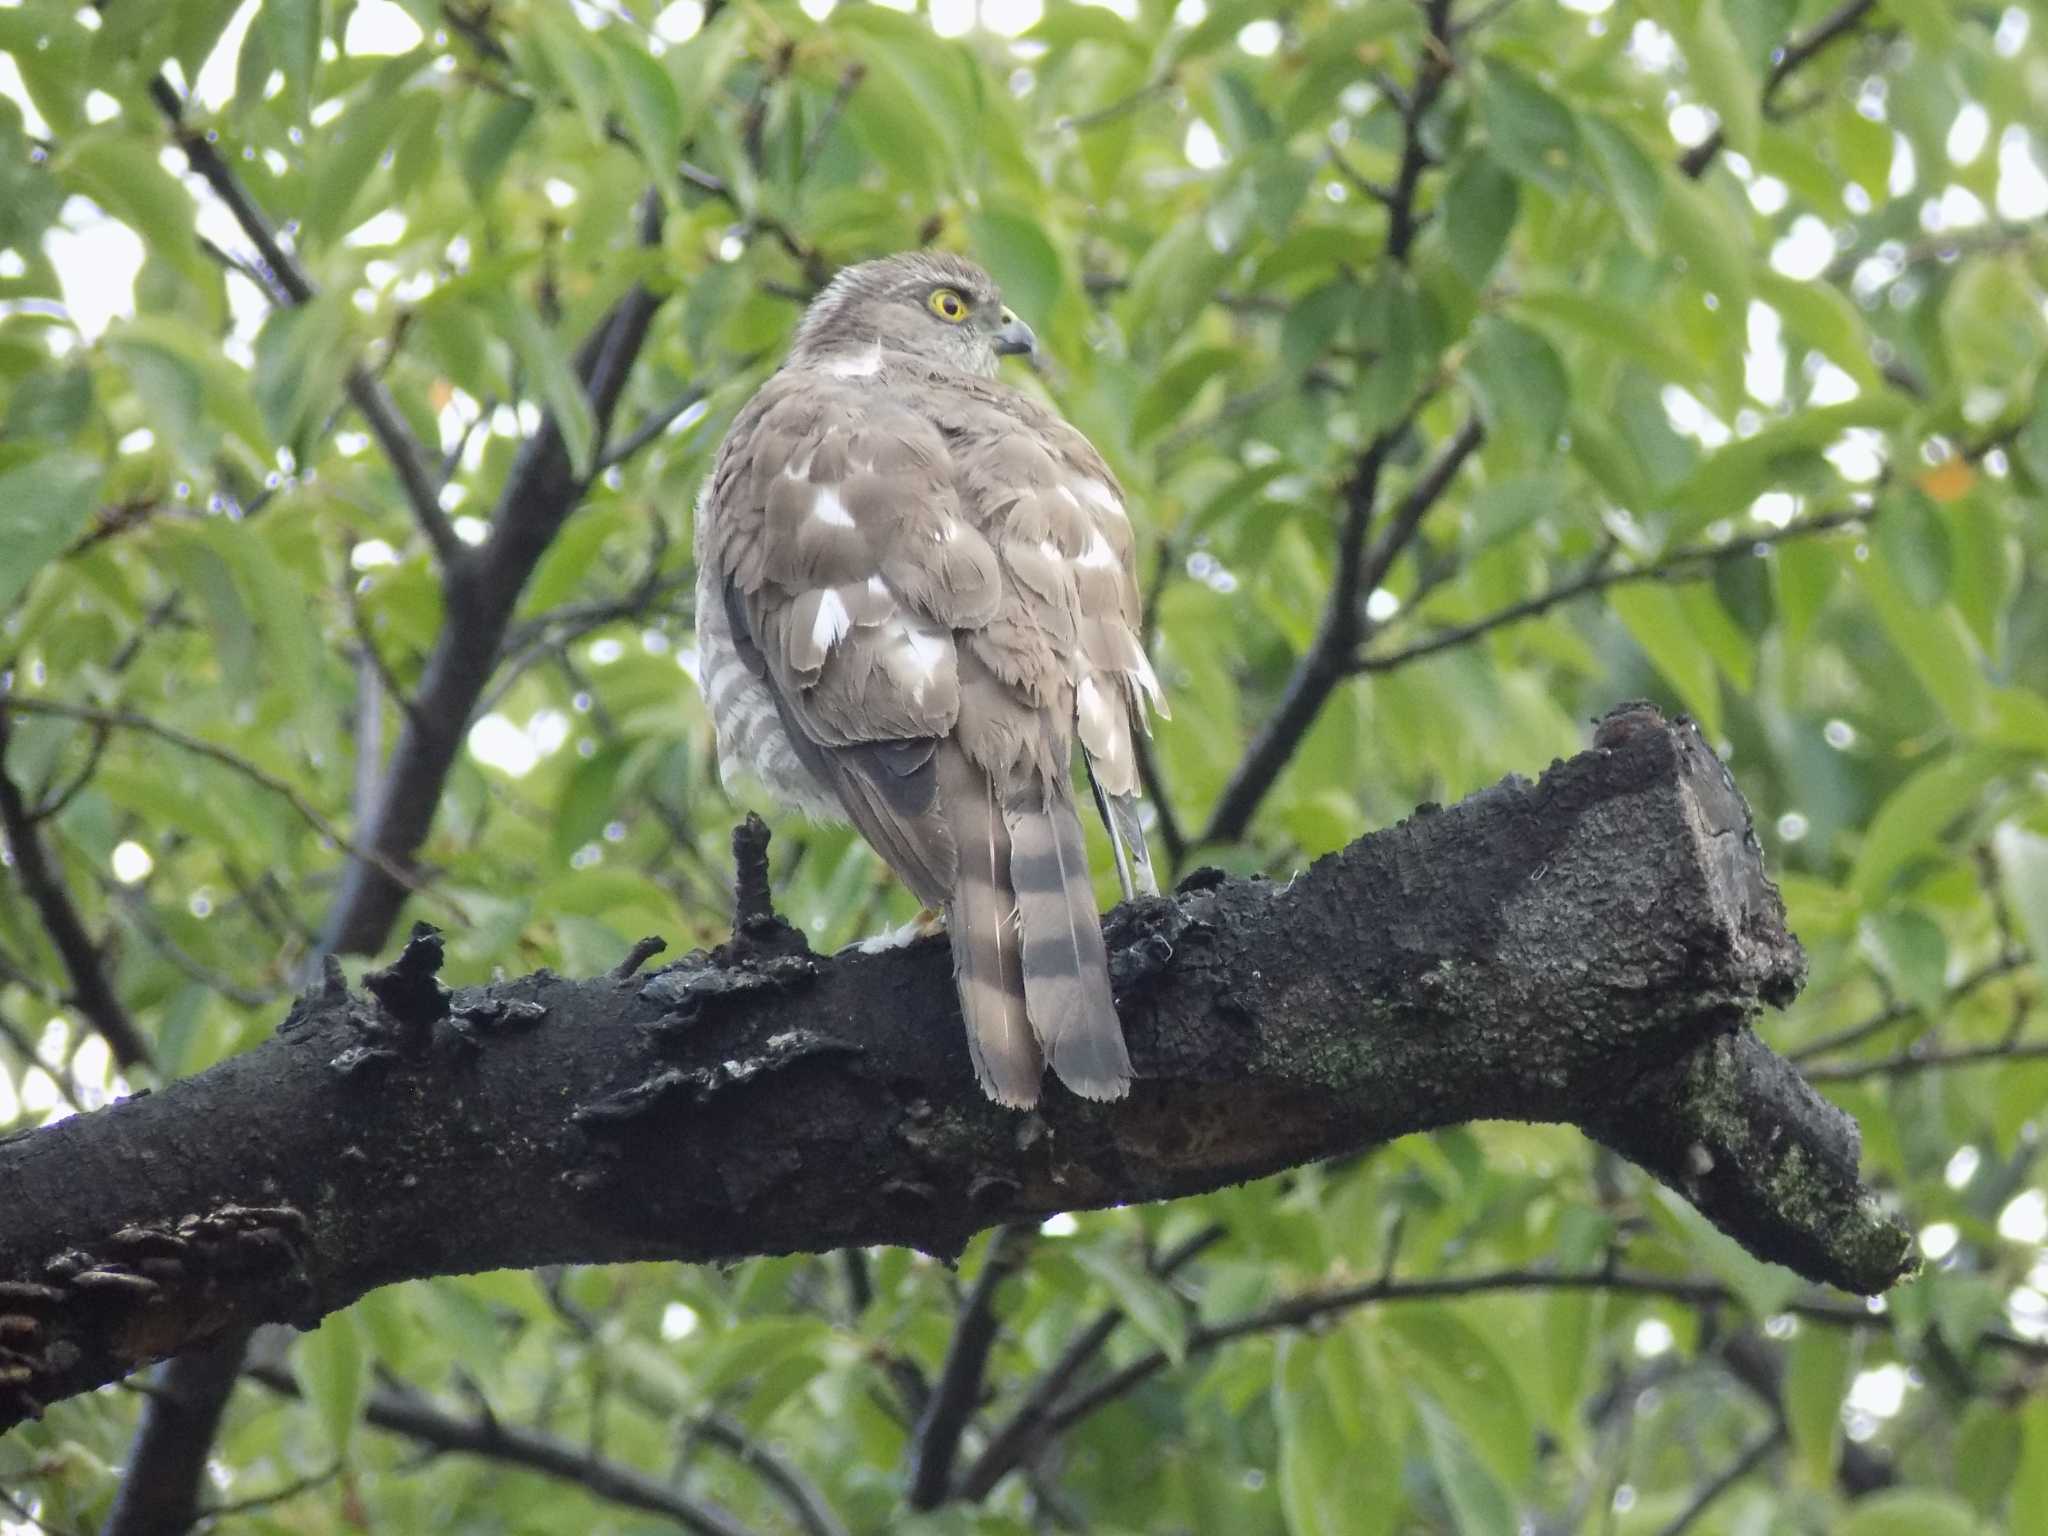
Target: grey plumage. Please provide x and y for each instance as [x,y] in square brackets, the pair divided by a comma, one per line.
[915,594]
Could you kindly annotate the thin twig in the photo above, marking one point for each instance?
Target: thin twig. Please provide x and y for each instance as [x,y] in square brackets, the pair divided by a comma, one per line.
[657,422]
[1344,626]
[1892,1013]
[91,992]
[1681,565]
[401,1410]
[1907,1063]
[1792,57]
[1753,1456]
[128,720]
[288,285]
[1306,1307]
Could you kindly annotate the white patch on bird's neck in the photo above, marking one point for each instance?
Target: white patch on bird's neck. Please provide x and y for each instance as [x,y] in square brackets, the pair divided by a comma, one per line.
[830,510]
[856,365]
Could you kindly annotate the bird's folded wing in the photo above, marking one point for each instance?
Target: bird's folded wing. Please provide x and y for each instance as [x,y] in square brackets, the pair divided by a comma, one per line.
[847,568]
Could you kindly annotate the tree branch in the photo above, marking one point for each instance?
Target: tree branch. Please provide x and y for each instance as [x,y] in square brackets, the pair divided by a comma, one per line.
[1789,60]
[288,285]
[1589,949]
[540,493]
[1344,627]
[1753,1456]
[91,993]
[958,1390]
[1019,1438]
[408,1413]
[1678,566]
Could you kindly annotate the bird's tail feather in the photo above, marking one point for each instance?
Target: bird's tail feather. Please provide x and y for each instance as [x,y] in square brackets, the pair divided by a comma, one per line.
[988,960]
[1126,839]
[1066,968]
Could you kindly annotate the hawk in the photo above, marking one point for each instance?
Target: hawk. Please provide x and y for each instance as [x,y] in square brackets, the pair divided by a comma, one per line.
[914,592]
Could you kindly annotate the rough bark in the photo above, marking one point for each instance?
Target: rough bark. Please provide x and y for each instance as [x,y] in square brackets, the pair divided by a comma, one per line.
[1590,949]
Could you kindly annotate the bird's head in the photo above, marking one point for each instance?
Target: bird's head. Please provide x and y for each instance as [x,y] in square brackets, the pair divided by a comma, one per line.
[934,306]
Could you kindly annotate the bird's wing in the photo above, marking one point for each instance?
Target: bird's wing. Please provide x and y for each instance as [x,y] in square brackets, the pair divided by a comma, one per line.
[1071,545]
[1059,659]
[846,568]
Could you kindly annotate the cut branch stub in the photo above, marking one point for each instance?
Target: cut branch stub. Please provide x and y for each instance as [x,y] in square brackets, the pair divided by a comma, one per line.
[1590,949]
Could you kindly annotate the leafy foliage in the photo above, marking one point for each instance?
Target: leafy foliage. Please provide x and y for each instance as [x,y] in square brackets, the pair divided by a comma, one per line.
[1475,366]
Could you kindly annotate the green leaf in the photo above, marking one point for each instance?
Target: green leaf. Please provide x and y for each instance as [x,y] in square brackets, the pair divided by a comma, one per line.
[1657,620]
[1991,322]
[293,29]
[494,131]
[1915,819]
[1527,129]
[1335,1479]
[588,800]
[328,1363]
[1933,642]
[1910,952]
[1781,454]
[1464,1373]
[2030,1482]
[1817,1366]
[2023,872]
[1915,545]
[1827,320]
[343,165]
[654,112]
[1169,395]
[1479,1505]
[1721,73]
[548,374]
[1634,182]
[1523,389]
[1023,261]
[1908,1512]
[1696,226]
[122,174]
[301,355]
[44,504]
[1146,1300]
[1480,203]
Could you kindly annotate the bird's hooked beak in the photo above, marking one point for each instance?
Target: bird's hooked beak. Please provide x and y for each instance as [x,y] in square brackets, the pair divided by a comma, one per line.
[1015,339]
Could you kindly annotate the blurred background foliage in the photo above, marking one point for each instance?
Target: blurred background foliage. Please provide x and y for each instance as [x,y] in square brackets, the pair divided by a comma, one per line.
[1475,367]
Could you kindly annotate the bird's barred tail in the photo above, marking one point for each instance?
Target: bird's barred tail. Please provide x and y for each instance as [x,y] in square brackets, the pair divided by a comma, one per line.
[1066,968]
[981,918]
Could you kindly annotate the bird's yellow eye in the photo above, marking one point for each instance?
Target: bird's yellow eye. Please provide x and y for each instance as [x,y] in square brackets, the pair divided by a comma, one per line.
[948,305]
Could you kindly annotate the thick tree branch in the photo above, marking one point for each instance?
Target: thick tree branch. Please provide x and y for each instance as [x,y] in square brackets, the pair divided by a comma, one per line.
[1590,949]
[91,993]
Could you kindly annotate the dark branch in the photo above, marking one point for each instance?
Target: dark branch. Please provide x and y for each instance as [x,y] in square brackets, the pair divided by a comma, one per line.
[1344,627]
[1589,949]
[287,284]
[1017,1441]
[1895,1012]
[958,1391]
[1791,58]
[1752,1457]
[1679,566]
[408,1413]
[482,594]
[91,993]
